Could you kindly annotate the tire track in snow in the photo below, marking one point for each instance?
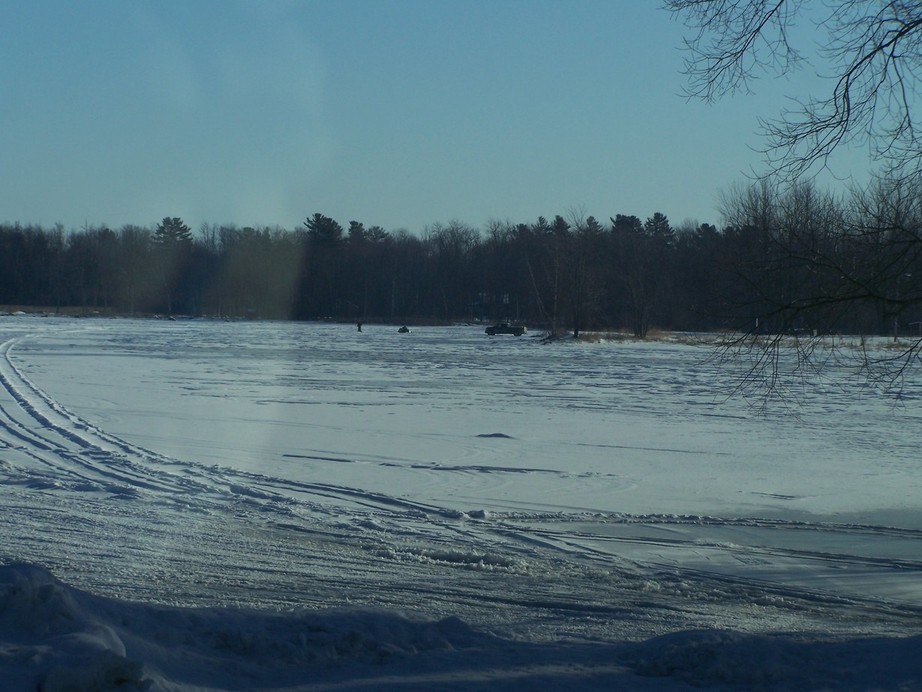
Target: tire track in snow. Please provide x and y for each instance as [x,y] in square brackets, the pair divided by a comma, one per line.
[400,534]
[576,541]
[765,562]
[269,533]
[41,428]
[68,444]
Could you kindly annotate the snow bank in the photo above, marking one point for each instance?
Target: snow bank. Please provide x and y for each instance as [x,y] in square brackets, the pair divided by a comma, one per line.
[51,642]
[765,662]
[55,638]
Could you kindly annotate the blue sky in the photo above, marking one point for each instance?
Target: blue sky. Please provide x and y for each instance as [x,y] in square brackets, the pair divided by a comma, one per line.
[396,113]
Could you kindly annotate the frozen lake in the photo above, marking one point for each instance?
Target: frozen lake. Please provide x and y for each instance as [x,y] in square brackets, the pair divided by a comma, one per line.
[609,491]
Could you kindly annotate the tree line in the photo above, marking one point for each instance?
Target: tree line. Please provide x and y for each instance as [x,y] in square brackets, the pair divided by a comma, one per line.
[786,259]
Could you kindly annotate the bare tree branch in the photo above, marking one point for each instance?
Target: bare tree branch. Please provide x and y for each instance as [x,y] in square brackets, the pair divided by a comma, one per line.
[872,53]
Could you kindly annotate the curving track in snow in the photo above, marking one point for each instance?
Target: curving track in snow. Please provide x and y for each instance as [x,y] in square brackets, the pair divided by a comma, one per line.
[124,520]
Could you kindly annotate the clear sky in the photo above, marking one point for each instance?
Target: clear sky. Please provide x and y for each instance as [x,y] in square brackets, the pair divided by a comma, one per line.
[399,113]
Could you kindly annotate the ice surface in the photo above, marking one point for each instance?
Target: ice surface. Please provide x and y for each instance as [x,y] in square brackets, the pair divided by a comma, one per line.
[302,506]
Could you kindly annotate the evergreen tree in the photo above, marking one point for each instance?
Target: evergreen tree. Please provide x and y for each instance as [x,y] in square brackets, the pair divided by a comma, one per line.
[172,232]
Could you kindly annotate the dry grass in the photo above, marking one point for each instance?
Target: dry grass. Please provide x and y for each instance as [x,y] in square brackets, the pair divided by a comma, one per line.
[661,335]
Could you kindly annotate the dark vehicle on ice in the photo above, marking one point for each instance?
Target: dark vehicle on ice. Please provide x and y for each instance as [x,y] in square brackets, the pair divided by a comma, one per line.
[505,328]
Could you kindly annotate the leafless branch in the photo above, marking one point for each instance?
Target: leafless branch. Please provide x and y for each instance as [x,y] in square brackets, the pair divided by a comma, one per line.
[872,52]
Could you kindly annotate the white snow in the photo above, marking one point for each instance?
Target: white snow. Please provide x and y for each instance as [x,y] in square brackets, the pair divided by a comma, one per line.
[231,506]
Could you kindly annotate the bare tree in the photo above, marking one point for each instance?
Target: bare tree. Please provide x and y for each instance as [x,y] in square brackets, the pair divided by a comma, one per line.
[817,267]
[869,51]
[811,266]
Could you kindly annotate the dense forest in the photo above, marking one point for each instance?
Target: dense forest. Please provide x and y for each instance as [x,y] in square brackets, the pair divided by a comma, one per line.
[783,260]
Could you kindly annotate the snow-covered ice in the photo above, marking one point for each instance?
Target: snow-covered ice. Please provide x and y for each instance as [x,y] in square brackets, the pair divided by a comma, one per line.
[210,505]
